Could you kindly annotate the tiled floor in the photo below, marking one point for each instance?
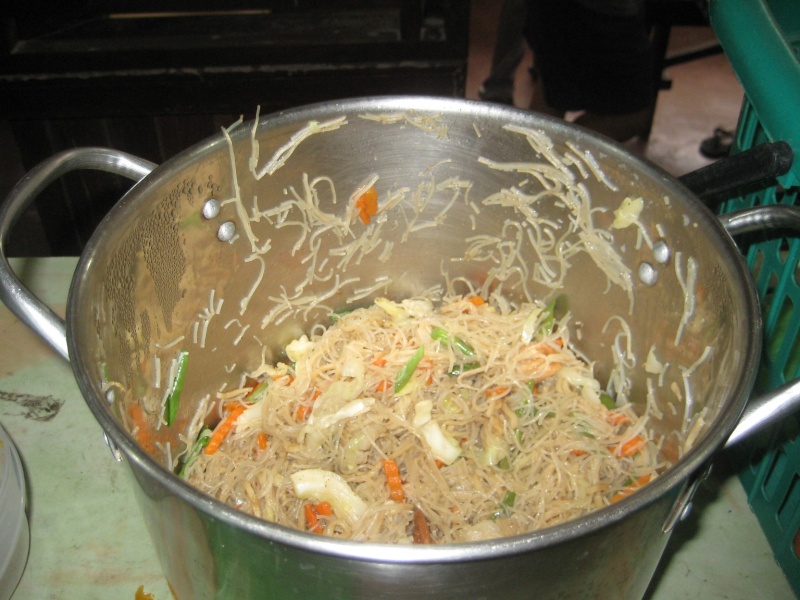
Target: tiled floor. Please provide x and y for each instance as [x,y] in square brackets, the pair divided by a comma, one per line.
[704,94]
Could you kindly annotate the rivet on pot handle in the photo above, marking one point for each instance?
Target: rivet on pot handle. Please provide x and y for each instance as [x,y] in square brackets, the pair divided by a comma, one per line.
[770,407]
[25,306]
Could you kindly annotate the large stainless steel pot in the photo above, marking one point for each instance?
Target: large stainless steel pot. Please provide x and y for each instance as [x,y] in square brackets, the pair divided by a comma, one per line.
[159,266]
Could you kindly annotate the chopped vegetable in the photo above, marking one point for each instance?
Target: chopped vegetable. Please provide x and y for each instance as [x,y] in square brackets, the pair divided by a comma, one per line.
[627,213]
[197,448]
[404,375]
[258,392]
[251,418]
[261,441]
[303,411]
[445,449]
[493,454]
[312,520]
[171,406]
[409,308]
[327,486]
[525,408]
[630,487]
[392,471]
[629,448]
[493,392]
[546,325]
[607,401]
[617,418]
[422,413]
[324,509]
[580,380]
[348,411]
[652,364]
[439,334]
[541,368]
[224,428]
[141,428]
[462,368]
[367,205]
[476,300]
[506,505]
[343,311]
[421,533]
[299,348]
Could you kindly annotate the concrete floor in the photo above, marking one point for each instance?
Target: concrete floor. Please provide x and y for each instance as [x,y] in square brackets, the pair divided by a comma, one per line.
[705,93]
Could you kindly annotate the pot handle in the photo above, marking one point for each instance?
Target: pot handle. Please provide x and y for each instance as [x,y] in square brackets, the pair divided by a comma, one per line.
[772,406]
[751,169]
[20,301]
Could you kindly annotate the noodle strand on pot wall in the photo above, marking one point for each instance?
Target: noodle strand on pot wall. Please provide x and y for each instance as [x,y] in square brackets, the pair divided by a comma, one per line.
[446,422]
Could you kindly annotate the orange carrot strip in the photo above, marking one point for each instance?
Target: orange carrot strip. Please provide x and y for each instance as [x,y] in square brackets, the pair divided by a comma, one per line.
[629,489]
[303,411]
[312,520]
[476,300]
[380,361]
[224,428]
[392,471]
[617,418]
[324,509]
[421,534]
[367,205]
[143,433]
[629,448]
[261,440]
[383,385]
[497,391]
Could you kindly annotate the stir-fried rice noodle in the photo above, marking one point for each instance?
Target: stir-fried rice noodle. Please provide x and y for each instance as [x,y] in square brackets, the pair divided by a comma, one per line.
[495,425]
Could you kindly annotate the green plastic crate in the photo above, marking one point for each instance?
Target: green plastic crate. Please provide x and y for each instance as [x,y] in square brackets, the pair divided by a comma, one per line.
[761,38]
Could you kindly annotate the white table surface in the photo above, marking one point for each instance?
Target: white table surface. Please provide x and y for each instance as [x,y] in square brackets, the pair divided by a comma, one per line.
[88,540]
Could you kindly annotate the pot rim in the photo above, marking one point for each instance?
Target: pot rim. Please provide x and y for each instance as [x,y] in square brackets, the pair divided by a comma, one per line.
[676,476]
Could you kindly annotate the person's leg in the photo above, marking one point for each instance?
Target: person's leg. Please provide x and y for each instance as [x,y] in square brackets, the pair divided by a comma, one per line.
[539,101]
[618,127]
[508,52]
[596,63]
[622,107]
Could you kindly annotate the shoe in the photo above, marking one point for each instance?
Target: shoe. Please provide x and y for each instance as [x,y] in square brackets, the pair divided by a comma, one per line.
[718,145]
[497,96]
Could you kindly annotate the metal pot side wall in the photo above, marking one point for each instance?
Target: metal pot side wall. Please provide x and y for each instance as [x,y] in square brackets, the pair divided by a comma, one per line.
[205,558]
